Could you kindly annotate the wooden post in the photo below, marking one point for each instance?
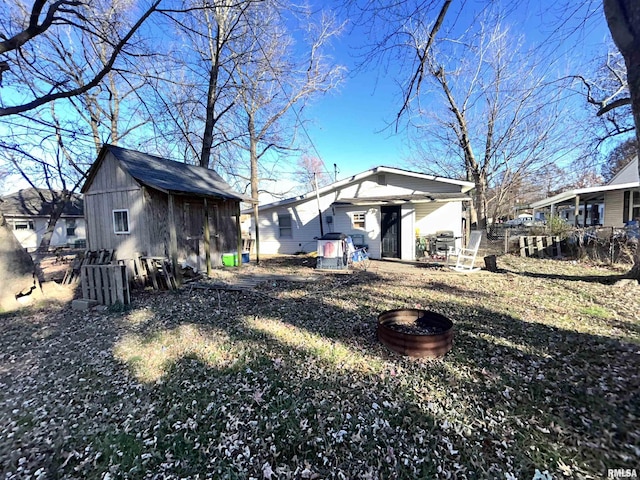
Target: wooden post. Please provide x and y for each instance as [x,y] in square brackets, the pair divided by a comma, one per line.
[257,229]
[207,237]
[506,240]
[173,239]
[239,233]
[576,211]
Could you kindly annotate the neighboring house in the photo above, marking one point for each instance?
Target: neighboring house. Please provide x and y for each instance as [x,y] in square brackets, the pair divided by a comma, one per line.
[138,204]
[389,207]
[28,211]
[610,205]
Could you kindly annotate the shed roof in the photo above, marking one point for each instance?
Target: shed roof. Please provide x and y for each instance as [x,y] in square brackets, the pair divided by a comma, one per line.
[38,202]
[167,175]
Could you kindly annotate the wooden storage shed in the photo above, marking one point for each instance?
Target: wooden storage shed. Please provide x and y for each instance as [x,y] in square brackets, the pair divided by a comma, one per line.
[138,204]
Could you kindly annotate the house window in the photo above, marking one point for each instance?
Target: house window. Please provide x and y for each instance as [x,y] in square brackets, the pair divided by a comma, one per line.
[635,209]
[357,220]
[382,179]
[23,225]
[120,221]
[284,223]
[71,227]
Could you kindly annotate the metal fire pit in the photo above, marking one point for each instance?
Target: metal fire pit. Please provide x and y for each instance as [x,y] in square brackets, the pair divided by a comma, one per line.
[415,333]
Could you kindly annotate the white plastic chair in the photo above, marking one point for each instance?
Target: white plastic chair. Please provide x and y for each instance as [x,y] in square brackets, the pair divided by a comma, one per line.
[466,256]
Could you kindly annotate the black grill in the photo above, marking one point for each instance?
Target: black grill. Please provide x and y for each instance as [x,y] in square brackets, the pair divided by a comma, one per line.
[444,240]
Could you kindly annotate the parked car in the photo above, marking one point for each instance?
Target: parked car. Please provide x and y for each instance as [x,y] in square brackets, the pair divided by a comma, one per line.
[524,221]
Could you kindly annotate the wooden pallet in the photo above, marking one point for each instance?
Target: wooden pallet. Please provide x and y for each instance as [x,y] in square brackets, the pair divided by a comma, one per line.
[89,257]
[106,284]
[158,271]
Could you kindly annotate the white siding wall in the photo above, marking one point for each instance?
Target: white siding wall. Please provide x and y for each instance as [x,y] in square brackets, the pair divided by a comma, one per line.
[30,239]
[305,224]
[628,174]
[407,232]
[371,230]
[432,217]
[613,209]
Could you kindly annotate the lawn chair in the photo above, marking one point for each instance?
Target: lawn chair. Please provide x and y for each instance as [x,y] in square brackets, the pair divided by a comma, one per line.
[466,256]
[356,256]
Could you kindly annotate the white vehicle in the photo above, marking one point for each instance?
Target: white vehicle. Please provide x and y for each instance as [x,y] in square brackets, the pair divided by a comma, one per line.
[521,221]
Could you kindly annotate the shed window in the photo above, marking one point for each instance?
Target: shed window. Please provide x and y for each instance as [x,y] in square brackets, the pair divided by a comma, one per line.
[121,221]
[357,220]
[284,223]
[71,227]
[23,225]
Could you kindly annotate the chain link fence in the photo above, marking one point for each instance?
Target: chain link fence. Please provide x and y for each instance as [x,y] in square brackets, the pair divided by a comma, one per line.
[601,244]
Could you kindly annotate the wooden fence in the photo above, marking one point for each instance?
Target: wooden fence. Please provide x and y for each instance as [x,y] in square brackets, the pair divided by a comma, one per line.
[540,246]
[106,284]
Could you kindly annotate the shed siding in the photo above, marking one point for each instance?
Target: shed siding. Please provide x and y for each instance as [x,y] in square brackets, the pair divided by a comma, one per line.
[112,177]
[99,220]
[191,248]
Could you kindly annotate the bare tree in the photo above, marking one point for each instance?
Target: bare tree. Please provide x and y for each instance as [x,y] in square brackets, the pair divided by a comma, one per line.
[310,170]
[619,157]
[25,60]
[498,122]
[273,84]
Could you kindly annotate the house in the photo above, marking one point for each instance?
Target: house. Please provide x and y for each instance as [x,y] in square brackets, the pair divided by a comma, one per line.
[610,205]
[140,204]
[28,211]
[387,207]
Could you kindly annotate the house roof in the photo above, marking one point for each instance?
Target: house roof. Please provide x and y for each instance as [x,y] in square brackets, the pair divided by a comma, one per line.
[464,186]
[628,173]
[167,175]
[586,193]
[397,199]
[29,202]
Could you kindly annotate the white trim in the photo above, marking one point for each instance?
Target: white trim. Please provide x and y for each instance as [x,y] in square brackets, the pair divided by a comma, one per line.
[466,186]
[564,196]
[113,217]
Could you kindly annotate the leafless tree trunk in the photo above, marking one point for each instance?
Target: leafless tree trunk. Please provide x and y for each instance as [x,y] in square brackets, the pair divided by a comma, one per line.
[499,121]
[623,18]
[272,85]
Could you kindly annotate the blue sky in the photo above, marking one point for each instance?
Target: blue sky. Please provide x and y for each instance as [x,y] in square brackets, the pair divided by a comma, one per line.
[349,126]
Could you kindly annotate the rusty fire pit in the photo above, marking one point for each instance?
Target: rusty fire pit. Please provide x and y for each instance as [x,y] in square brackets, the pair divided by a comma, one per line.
[416,333]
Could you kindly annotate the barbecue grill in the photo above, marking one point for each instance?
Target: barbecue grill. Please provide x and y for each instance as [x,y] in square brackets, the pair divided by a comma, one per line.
[445,242]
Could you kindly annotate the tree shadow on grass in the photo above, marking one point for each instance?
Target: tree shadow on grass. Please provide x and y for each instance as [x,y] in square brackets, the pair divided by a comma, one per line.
[302,372]
[603,279]
[503,368]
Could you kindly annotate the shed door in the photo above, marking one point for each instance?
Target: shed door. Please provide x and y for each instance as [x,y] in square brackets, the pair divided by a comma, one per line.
[390,231]
[194,233]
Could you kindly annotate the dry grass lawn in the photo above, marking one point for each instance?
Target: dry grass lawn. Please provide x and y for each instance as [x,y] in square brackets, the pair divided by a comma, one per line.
[288,380]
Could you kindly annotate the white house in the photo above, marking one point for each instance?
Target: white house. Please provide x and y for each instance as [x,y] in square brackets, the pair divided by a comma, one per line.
[388,206]
[610,205]
[27,211]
